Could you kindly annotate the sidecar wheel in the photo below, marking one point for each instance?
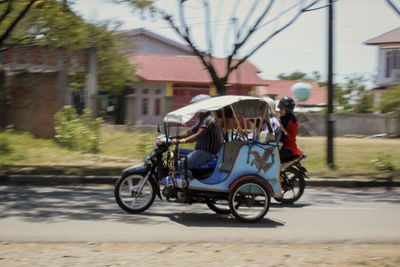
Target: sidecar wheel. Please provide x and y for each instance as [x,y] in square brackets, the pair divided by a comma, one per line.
[249,200]
[128,199]
[218,207]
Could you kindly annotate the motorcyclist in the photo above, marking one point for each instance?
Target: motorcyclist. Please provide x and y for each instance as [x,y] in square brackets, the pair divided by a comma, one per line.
[205,133]
[289,126]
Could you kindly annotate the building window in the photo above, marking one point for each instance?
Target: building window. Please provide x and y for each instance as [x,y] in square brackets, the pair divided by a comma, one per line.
[157,107]
[145,103]
[145,91]
[158,91]
[392,62]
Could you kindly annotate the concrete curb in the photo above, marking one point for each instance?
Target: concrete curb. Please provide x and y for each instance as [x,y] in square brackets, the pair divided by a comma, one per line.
[81,180]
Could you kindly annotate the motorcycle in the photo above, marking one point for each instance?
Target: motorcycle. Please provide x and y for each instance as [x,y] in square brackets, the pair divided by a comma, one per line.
[240,181]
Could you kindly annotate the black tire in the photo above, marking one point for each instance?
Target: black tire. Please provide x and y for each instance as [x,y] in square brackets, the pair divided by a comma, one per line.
[292,187]
[122,200]
[212,205]
[239,193]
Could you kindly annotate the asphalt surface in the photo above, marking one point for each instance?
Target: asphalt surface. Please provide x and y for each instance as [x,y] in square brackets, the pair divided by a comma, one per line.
[110,180]
[90,214]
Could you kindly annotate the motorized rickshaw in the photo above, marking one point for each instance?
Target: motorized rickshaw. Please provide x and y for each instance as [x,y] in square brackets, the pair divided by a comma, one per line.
[241,180]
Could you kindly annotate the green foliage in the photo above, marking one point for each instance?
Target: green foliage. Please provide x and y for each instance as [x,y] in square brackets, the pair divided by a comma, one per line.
[51,23]
[5,146]
[54,24]
[295,76]
[115,72]
[77,132]
[5,143]
[383,162]
[390,102]
[349,96]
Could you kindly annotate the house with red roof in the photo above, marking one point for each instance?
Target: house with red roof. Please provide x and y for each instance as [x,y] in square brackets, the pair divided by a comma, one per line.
[388,61]
[169,76]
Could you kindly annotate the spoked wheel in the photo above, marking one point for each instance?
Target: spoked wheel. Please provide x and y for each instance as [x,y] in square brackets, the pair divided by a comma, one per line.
[293,184]
[127,193]
[219,206]
[249,200]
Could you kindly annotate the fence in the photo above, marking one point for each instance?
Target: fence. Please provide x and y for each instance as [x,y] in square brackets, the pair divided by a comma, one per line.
[348,124]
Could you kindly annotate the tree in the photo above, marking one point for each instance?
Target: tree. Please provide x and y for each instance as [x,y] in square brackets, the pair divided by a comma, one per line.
[301,76]
[54,24]
[349,96]
[394,6]
[12,12]
[390,102]
[114,71]
[240,32]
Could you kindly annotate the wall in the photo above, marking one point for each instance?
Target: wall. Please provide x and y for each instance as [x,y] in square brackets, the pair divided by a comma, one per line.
[348,124]
[33,102]
[148,45]
[135,103]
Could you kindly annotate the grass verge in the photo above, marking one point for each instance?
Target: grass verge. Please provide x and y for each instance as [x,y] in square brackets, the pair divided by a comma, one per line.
[121,148]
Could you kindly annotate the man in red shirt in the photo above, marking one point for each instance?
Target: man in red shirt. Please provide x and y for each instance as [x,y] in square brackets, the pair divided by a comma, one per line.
[289,126]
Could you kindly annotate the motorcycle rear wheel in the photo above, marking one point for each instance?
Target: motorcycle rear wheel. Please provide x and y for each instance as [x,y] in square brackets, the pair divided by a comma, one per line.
[130,200]
[292,186]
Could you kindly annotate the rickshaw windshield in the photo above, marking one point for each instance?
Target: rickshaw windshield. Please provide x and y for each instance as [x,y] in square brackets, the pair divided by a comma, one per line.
[234,115]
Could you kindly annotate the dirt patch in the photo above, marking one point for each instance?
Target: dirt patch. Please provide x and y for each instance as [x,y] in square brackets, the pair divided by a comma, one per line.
[197,254]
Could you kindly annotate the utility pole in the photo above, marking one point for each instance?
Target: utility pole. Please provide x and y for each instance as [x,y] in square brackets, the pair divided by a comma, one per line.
[329,115]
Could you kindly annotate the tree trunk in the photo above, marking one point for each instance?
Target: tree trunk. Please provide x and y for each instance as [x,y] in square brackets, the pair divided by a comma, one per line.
[221,86]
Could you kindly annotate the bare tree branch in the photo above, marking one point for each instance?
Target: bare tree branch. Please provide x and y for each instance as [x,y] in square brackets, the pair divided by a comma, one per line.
[11,27]
[395,8]
[7,11]
[248,16]
[208,25]
[228,27]
[272,35]
[249,33]
[241,35]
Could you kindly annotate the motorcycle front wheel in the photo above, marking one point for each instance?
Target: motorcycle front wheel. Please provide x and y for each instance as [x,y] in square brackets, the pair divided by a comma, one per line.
[293,184]
[127,193]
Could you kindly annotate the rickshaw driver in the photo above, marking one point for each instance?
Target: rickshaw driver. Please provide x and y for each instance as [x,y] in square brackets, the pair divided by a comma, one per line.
[205,133]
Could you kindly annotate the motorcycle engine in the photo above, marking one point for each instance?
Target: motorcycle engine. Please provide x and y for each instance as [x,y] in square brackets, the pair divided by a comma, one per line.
[174,194]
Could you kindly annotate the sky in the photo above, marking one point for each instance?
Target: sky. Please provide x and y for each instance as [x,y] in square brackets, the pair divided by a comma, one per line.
[302,46]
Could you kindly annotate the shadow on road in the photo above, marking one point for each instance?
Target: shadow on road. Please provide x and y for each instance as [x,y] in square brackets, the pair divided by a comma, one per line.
[57,204]
[63,203]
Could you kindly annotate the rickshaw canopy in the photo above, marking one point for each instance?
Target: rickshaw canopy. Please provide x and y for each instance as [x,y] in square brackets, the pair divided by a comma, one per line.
[242,106]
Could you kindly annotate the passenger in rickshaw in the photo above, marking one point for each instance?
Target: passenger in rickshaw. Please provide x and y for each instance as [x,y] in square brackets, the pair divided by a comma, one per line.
[289,126]
[205,133]
[274,121]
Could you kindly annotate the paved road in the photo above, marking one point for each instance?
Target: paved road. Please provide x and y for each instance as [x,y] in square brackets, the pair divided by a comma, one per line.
[90,214]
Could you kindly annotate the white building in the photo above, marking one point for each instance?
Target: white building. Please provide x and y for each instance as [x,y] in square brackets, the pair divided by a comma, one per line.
[388,61]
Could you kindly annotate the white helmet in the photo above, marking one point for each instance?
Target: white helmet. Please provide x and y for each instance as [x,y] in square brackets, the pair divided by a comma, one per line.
[199,98]
[271,103]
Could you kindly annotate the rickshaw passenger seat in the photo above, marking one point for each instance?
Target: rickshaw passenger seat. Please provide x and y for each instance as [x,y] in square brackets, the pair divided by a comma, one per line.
[231,149]
[208,165]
